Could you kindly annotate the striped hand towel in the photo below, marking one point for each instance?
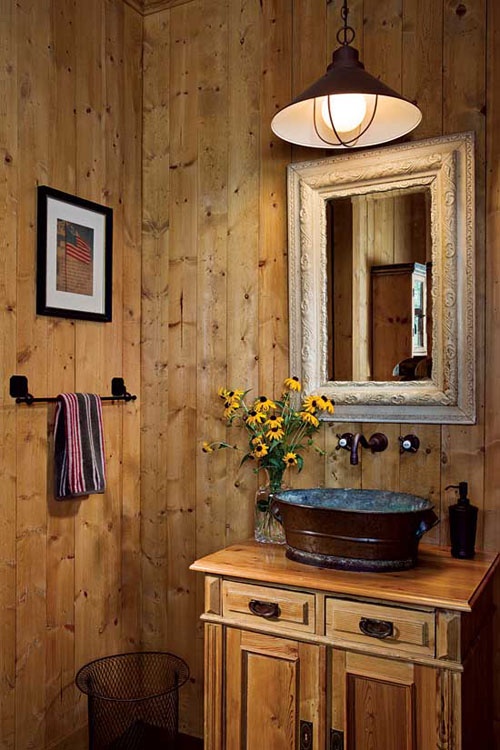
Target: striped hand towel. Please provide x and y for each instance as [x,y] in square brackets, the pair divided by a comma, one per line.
[79,446]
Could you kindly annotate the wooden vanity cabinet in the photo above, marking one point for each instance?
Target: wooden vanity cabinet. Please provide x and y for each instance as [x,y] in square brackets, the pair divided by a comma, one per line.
[302,658]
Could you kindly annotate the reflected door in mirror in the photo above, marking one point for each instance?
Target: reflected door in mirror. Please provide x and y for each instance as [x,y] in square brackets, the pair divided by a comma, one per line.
[400,344]
[374,230]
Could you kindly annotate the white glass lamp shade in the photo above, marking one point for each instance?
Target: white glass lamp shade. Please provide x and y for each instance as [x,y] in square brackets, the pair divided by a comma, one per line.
[306,120]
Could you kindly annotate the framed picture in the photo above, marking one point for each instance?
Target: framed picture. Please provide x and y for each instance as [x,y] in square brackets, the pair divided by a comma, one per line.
[74,256]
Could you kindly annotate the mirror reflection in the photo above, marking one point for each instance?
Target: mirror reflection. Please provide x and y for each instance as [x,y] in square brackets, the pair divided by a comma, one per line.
[379,286]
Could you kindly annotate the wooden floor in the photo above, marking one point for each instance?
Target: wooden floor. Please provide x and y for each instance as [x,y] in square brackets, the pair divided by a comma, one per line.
[79,741]
[189,743]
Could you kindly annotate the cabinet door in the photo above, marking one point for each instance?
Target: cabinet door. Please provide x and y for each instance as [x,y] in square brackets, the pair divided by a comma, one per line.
[275,693]
[382,704]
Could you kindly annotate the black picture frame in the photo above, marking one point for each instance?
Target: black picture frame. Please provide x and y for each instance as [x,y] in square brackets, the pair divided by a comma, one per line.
[74,256]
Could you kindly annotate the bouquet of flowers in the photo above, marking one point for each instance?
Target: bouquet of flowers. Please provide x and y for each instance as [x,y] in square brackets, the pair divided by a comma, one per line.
[277,431]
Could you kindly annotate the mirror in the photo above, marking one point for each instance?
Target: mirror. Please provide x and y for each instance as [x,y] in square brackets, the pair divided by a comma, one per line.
[379,309]
[382,281]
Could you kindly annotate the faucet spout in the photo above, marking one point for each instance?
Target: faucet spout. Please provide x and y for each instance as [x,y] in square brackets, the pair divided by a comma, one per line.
[358,439]
[377,443]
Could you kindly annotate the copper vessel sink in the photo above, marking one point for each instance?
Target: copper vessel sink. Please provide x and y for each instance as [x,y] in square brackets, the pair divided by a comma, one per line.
[370,530]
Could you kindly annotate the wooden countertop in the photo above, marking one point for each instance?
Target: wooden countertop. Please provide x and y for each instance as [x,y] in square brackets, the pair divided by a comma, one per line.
[438,580]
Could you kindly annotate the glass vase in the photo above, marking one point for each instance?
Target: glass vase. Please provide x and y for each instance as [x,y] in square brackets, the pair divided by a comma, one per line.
[267,527]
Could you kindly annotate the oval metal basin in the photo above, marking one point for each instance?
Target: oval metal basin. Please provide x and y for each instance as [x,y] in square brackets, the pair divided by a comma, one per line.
[371,530]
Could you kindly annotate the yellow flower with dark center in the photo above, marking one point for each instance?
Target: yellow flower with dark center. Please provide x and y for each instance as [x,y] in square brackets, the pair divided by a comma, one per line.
[257,440]
[207,447]
[327,404]
[290,459]
[264,404]
[309,418]
[227,395]
[275,432]
[312,404]
[230,406]
[293,384]
[255,418]
[274,421]
[260,450]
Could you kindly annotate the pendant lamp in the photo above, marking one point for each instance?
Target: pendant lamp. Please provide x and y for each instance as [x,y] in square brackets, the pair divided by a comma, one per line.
[347,107]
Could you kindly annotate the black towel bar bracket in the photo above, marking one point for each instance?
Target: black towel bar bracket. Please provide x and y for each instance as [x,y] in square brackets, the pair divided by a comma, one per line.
[19,391]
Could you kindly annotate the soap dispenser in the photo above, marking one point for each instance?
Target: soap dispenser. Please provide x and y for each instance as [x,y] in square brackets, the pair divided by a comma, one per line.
[463,523]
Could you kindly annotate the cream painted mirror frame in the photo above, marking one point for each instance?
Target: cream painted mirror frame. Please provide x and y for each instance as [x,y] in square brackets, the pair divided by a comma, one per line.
[445,167]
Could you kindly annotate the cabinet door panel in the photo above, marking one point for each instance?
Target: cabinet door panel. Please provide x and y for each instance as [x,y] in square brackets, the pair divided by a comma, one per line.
[268,719]
[380,715]
[272,684]
[383,704]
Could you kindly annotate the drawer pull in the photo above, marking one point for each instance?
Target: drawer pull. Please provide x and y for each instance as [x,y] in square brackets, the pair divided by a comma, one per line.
[376,628]
[264,609]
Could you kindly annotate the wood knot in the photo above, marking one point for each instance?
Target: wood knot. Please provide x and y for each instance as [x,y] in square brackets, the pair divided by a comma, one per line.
[461,10]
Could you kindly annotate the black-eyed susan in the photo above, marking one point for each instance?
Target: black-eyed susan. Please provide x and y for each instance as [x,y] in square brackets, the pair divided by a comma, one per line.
[293,384]
[230,408]
[309,418]
[312,404]
[290,459]
[207,447]
[274,420]
[264,404]
[260,450]
[228,395]
[255,418]
[327,404]
[275,432]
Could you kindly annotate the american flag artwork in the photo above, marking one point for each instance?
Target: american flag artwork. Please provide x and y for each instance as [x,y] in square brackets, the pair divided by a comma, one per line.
[76,246]
[75,258]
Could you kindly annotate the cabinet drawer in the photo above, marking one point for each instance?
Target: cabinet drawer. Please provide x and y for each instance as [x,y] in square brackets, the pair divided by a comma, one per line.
[275,608]
[408,630]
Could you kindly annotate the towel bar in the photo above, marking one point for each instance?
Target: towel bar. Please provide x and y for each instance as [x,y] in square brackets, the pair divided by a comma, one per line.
[19,391]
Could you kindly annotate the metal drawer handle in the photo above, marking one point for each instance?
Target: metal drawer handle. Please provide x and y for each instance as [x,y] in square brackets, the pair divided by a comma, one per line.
[264,609]
[376,628]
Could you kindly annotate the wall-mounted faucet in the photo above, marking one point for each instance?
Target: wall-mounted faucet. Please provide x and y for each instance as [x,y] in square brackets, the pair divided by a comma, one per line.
[377,443]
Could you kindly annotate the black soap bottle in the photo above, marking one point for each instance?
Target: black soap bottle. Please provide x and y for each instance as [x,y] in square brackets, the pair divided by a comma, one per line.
[463,523]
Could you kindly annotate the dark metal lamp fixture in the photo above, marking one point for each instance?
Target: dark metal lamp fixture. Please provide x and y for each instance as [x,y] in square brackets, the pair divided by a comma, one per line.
[347,107]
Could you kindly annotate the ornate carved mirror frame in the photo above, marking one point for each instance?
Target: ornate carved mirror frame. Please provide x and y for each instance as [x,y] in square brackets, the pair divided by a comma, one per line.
[445,167]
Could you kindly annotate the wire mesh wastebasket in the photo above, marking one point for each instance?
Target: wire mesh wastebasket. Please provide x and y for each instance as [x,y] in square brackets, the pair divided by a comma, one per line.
[133,700]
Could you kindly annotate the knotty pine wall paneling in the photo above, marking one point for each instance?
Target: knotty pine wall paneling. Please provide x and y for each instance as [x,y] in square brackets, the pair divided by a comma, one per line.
[60,656]
[71,118]
[464,102]
[8,278]
[131,198]
[234,288]
[311,53]
[242,288]
[154,324]
[33,69]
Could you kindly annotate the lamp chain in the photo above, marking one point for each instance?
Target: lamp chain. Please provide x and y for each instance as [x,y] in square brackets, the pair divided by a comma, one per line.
[345,35]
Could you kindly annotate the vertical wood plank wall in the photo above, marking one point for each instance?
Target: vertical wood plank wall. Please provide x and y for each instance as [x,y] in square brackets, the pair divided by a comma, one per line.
[218,239]
[85,87]
[71,118]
